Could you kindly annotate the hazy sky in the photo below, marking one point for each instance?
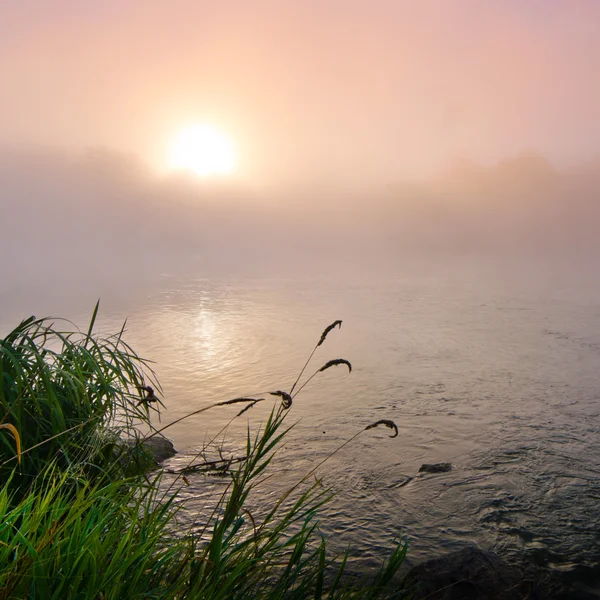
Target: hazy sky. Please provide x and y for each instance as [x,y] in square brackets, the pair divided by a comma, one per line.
[331,90]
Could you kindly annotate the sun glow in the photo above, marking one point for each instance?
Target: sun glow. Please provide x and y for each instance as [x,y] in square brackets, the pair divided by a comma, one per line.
[202,150]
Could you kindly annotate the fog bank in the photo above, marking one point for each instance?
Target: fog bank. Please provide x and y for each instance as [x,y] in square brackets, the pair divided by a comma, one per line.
[103,215]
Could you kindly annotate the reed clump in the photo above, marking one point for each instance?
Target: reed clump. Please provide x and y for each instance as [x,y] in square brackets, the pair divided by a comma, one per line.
[77,524]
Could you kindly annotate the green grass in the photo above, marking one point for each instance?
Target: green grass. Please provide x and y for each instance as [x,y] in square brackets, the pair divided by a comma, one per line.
[76,524]
[69,394]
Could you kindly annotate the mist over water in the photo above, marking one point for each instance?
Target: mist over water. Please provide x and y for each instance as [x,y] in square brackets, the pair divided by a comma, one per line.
[471,308]
[102,216]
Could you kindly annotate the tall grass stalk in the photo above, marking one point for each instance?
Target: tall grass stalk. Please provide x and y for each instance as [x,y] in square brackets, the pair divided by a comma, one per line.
[75,525]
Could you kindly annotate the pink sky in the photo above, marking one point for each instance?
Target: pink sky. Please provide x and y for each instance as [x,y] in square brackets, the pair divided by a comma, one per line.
[326,89]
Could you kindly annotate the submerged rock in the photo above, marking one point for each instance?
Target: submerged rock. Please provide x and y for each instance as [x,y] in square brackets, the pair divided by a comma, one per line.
[443,467]
[467,574]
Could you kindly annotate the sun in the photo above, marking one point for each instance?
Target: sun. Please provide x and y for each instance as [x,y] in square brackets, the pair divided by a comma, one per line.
[202,150]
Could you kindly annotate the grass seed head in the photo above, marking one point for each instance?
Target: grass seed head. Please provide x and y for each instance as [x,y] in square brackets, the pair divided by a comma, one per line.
[325,333]
[236,401]
[286,399]
[249,406]
[385,422]
[335,362]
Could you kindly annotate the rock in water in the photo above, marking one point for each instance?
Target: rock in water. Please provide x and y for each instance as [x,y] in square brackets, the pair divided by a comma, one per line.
[160,447]
[435,468]
[467,574]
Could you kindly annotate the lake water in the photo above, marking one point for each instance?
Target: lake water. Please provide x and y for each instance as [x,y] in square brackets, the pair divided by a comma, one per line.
[495,372]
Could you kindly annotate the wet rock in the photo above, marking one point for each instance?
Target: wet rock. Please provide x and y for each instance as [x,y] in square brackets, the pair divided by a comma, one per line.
[436,467]
[158,447]
[468,574]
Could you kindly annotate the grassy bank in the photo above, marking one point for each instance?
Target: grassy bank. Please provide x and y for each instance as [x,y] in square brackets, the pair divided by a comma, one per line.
[81,518]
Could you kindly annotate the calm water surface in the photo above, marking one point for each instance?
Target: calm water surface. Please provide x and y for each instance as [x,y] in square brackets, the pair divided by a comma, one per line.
[499,377]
